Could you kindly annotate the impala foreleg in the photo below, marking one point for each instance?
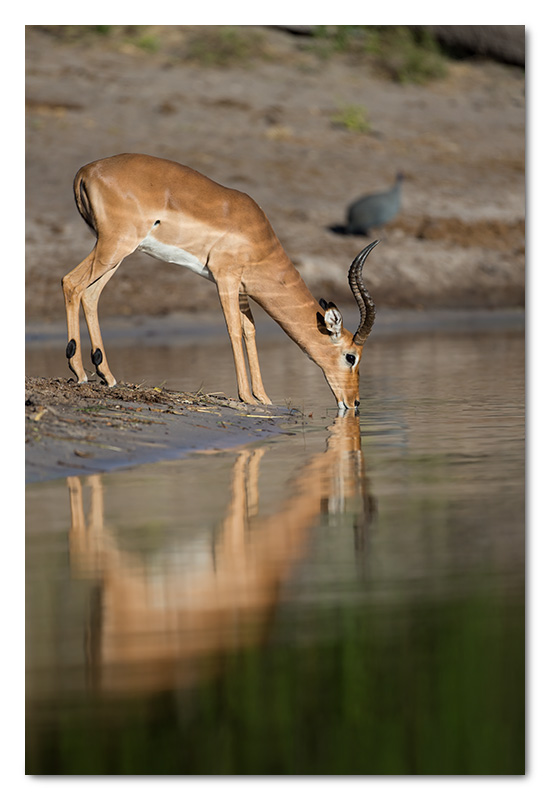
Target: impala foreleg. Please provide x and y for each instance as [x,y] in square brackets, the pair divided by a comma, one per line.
[229,299]
[249,333]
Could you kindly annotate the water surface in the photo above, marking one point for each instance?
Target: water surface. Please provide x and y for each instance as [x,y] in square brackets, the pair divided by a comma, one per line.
[348,599]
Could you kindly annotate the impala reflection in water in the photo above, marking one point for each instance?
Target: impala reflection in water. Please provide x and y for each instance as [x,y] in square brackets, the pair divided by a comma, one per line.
[245,613]
[156,623]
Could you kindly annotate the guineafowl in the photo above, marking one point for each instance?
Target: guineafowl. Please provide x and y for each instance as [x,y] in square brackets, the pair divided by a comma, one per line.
[374,210]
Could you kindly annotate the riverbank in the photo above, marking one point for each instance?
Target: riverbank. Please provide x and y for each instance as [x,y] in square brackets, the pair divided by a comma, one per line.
[81,430]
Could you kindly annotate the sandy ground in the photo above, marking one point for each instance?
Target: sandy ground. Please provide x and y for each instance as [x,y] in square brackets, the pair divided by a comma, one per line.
[264,125]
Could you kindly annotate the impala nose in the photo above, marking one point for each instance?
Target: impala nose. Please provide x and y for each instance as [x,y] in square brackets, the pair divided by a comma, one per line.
[357,403]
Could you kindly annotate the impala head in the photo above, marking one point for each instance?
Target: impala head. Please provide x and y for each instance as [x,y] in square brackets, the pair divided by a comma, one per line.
[341,364]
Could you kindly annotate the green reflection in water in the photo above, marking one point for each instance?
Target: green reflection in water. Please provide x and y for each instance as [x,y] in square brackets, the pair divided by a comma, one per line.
[415,689]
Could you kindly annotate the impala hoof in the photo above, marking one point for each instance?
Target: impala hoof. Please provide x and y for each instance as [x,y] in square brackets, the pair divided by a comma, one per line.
[248,399]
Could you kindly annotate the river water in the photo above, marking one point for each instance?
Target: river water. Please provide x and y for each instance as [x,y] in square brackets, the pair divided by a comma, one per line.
[345,598]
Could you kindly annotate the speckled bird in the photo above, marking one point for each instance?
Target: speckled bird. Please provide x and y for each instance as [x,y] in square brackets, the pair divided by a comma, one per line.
[374,210]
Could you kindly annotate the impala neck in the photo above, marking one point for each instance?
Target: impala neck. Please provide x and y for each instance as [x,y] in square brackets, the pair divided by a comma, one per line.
[289,302]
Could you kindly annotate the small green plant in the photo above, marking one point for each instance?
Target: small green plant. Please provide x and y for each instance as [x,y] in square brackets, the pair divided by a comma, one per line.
[88,34]
[407,55]
[331,39]
[225,46]
[148,42]
[404,54]
[102,30]
[353,118]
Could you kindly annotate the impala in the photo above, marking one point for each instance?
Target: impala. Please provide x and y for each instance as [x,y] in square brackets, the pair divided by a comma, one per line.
[173,213]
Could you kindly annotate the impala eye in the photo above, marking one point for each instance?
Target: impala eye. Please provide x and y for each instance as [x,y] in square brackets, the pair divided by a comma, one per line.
[350,358]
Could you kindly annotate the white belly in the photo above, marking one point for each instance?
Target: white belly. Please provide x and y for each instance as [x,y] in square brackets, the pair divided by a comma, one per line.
[174,255]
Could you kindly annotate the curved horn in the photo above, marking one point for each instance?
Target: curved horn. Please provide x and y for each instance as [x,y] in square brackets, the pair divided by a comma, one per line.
[367,308]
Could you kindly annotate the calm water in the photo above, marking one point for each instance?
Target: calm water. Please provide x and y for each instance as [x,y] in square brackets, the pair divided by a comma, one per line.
[347,599]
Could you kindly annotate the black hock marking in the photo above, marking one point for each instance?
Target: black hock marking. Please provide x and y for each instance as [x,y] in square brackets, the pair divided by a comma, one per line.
[71,349]
[97,357]
[156,223]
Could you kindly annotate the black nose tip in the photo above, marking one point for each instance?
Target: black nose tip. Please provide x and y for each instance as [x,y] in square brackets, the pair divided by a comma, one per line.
[357,403]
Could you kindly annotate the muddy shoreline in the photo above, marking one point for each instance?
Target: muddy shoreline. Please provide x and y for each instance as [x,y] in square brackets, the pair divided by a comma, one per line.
[81,430]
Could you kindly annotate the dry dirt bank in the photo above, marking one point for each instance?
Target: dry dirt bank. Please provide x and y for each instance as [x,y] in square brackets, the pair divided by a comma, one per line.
[265,124]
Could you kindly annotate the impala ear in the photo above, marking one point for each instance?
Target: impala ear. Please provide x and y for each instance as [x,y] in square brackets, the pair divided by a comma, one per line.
[331,322]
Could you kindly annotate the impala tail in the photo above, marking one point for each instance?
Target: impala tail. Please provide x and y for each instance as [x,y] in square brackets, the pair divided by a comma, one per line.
[83,203]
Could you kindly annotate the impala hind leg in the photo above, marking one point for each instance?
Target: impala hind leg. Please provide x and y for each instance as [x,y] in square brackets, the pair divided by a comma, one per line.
[97,268]
[249,333]
[73,285]
[90,300]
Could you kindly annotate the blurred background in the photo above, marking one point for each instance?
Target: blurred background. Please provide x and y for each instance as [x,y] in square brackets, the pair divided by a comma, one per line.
[305,119]
[389,635]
